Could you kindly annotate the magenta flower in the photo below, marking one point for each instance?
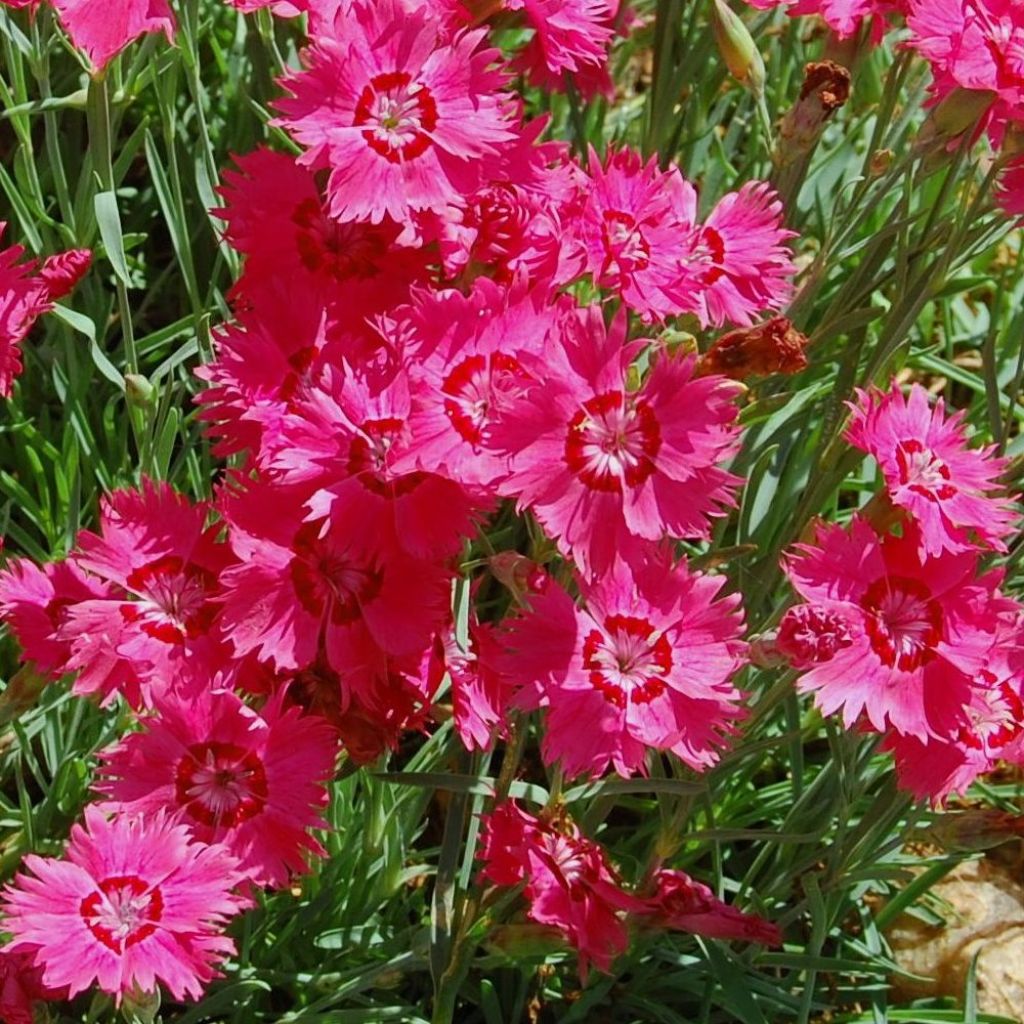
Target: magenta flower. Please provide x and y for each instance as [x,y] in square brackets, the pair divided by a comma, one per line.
[135,902]
[569,883]
[406,118]
[888,634]
[682,903]
[632,224]
[471,357]
[740,253]
[103,28]
[600,465]
[26,292]
[252,781]
[161,565]
[950,490]
[646,664]
[844,17]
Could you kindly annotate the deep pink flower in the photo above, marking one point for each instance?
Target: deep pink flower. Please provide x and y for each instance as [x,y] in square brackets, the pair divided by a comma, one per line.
[352,439]
[950,490]
[103,28]
[405,118]
[633,222]
[600,465]
[25,294]
[134,902]
[302,587]
[154,627]
[253,781]
[646,663]
[744,265]
[34,602]
[685,904]
[844,17]
[22,988]
[570,884]
[472,357]
[888,634]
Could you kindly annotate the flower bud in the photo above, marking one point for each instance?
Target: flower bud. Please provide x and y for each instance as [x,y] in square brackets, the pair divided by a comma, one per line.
[61,272]
[139,391]
[957,112]
[825,89]
[737,47]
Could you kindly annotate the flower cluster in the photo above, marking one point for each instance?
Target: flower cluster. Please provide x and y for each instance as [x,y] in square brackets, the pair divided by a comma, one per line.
[408,357]
[903,632]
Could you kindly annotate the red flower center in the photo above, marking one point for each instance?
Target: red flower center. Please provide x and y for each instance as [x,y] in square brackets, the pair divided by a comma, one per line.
[329,580]
[923,471]
[341,250]
[173,605]
[369,458]
[624,243]
[627,660]
[904,622]
[221,784]
[122,911]
[398,115]
[712,247]
[477,389]
[612,441]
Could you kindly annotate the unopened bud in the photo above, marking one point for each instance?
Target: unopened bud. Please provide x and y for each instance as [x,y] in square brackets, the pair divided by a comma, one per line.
[138,390]
[21,693]
[881,161]
[679,343]
[737,47]
[960,110]
[520,574]
[60,273]
[775,346]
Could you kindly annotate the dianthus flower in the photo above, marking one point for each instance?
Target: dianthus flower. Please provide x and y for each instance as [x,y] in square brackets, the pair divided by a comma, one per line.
[600,465]
[352,440]
[680,902]
[570,885]
[135,902]
[887,633]
[22,988]
[25,294]
[406,118]
[571,38]
[744,266]
[161,564]
[103,28]
[300,587]
[950,490]
[844,17]
[992,729]
[632,223]
[471,357]
[646,663]
[253,781]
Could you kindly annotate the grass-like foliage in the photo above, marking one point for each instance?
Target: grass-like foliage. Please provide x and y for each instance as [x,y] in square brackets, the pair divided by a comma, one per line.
[509,508]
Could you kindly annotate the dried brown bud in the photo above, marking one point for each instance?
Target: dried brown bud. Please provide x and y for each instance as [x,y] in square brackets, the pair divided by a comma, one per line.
[825,89]
[775,346]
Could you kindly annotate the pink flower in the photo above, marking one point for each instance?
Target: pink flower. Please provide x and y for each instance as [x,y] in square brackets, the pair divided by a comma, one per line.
[740,253]
[647,663]
[154,626]
[103,28]
[633,221]
[25,294]
[682,903]
[571,39]
[135,902]
[570,884]
[600,465]
[950,490]
[471,357]
[22,988]
[888,634]
[299,585]
[405,118]
[844,17]
[33,603]
[252,781]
